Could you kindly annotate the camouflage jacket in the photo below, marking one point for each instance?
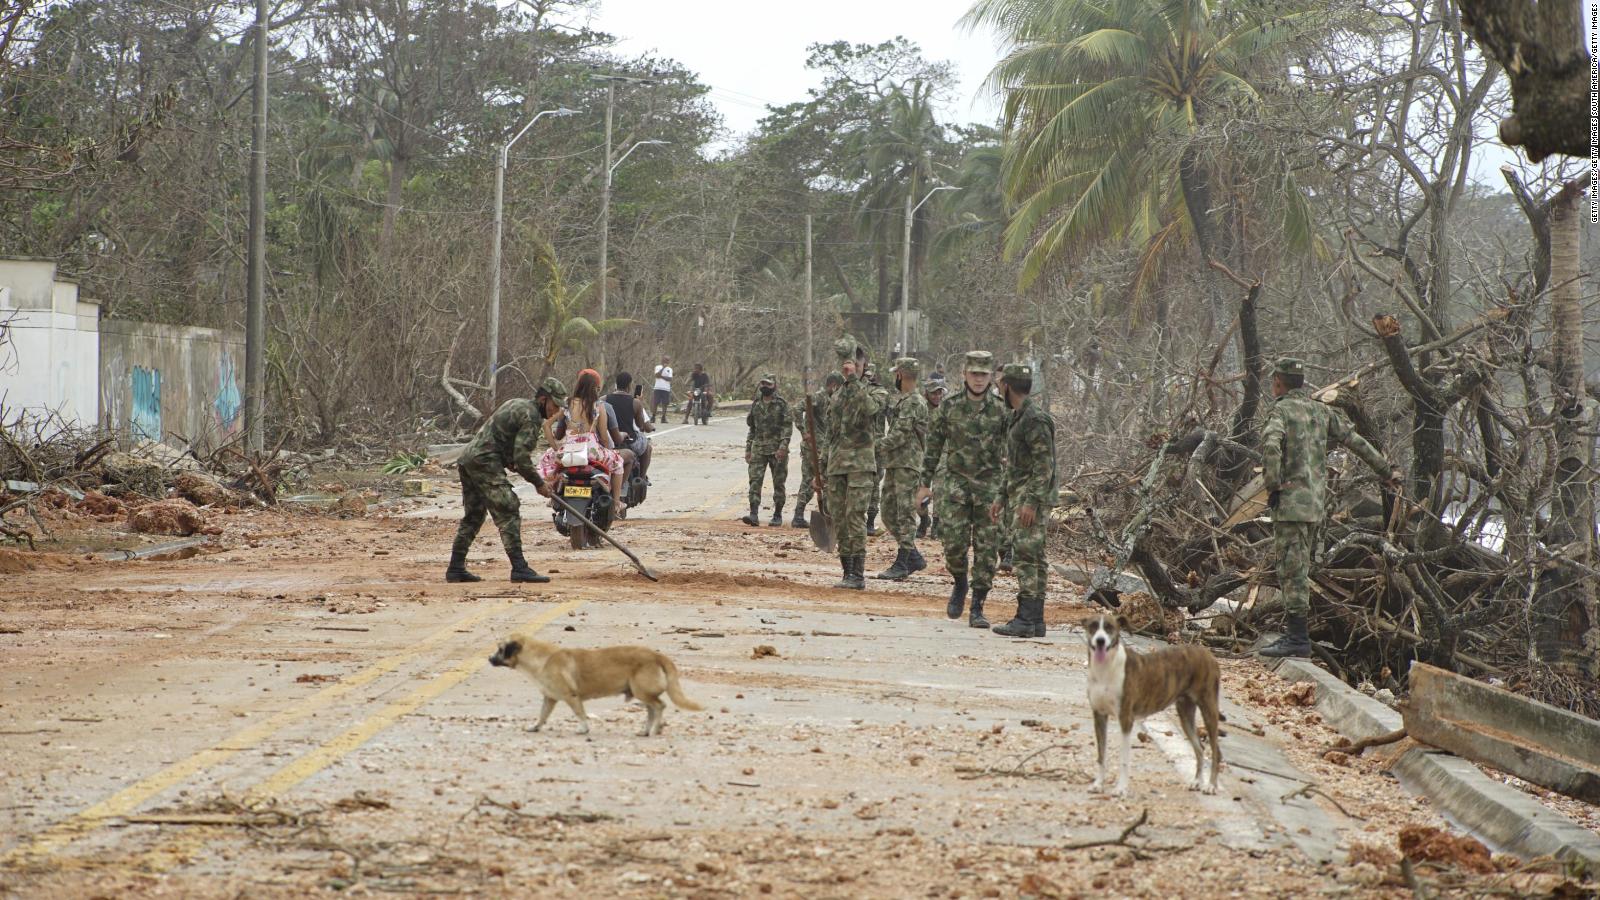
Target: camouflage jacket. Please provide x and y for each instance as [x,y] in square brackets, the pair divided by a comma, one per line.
[853,428]
[819,401]
[1294,450]
[903,446]
[770,426]
[507,440]
[969,436]
[1031,458]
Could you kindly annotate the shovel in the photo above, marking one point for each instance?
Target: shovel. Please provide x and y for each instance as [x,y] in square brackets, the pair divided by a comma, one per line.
[821,523]
[608,538]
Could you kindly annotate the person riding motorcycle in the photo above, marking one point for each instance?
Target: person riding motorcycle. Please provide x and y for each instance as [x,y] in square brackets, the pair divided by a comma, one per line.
[699,380]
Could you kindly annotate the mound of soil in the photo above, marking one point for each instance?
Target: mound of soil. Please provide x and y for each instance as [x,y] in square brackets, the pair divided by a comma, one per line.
[1435,845]
[100,506]
[203,490]
[13,562]
[175,517]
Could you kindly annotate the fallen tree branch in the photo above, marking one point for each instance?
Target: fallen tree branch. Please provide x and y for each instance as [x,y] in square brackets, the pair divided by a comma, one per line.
[1357,748]
[1120,840]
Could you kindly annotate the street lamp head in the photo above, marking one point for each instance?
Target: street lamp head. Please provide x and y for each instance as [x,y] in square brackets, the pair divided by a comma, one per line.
[563,111]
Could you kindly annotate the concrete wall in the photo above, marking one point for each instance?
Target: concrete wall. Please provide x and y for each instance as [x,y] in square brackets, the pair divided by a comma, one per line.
[50,348]
[137,380]
[177,384]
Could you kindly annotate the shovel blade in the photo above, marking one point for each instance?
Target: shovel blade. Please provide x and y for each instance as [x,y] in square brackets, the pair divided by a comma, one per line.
[822,531]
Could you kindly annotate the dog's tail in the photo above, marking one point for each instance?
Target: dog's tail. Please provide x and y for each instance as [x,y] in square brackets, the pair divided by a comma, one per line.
[675,688]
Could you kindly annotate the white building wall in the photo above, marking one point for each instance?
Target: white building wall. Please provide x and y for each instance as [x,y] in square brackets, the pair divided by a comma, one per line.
[50,345]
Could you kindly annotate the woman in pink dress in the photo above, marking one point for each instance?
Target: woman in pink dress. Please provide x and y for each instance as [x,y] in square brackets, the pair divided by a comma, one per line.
[584,425]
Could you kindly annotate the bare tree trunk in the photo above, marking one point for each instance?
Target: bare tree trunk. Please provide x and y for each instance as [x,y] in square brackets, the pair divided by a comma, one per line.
[391,207]
[1564,608]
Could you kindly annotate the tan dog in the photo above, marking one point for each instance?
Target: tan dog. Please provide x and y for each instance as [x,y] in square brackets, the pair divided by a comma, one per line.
[573,676]
[1130,686]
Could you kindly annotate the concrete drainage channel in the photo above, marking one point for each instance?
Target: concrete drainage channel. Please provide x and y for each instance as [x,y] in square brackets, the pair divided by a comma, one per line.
[1505,818]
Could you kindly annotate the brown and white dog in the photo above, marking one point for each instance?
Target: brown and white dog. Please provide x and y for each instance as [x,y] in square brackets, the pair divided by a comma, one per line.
[573,676]
[1129,686]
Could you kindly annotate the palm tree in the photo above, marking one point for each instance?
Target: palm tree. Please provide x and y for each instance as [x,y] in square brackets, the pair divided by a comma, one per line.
[894,158]
[1106,106]
[558,307]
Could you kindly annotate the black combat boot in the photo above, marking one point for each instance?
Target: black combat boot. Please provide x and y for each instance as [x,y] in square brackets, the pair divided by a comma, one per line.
[520,572]
[1036,613]
[1021,625]
[897,571]
[958,598]
[872,522]
[914,561]
[800,517]
[777,517]
[457,572]
[1295,640]
[858,581]
[845,566]
[754,519]
[975,618]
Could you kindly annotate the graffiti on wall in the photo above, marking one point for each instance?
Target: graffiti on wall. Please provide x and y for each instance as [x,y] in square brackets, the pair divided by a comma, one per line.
[227,404]
[145,423]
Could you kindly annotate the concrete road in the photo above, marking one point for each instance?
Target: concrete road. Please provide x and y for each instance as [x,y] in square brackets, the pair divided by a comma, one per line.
[311,710]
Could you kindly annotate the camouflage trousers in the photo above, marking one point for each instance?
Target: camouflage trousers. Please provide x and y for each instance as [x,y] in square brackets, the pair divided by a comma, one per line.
[486,491]
[1294,542]
[808,473]
[848,496]
[1028,545]
[759,464]
[900,505]
[964,523]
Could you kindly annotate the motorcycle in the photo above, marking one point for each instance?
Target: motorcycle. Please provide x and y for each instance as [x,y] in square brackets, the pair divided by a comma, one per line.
[699,407]
[587,489]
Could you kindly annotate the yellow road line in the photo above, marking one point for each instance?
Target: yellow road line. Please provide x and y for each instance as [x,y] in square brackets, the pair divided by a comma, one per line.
[130,798]
[331,751]
[285,779]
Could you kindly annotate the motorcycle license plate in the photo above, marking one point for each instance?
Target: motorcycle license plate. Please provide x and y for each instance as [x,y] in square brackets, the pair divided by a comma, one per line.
[577,491]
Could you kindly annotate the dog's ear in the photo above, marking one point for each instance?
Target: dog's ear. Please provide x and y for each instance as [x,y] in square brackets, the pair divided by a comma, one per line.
[1122,622]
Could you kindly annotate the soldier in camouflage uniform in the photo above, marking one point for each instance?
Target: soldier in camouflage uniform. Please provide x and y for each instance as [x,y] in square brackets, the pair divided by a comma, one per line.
[967,437]
[932,391]
[767,446]
[506,441]
[853,418]
[1030,494]
[808,473]
[1294,450]
[900,456]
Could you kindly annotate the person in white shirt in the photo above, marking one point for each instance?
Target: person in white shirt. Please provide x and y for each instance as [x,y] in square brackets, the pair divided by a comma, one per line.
[661,397]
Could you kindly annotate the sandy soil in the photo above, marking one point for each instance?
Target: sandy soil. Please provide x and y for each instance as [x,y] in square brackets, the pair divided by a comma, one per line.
[305,707]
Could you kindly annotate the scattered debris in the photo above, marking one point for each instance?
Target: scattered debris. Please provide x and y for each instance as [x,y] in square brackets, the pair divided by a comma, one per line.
[763,650]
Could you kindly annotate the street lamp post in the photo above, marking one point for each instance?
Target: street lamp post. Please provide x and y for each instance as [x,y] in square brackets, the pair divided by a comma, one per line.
[499,221]
[605,220]
[905,266]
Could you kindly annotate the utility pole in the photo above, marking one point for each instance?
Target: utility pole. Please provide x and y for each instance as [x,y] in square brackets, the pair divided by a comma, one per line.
[810,313]
[255,316]
[905,270]
[605,216]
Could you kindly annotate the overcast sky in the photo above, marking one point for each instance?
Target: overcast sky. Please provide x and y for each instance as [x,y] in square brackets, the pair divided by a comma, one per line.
[754,53]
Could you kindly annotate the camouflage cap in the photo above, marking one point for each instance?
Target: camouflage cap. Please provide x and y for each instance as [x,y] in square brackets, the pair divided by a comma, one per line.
[910,365]
[833,378]
[1017,372]
[554,387]
[845,347]
[932,384]
[1288,365]
[980,361]
[769,378]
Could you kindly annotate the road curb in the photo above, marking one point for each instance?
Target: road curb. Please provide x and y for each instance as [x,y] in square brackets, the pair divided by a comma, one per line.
[1507,819]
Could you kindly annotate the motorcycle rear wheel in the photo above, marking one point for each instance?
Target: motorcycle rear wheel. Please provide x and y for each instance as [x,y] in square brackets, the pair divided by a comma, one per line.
[579,537]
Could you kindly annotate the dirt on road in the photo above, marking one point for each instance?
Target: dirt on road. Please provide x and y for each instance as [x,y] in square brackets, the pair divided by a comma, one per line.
[305,707]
